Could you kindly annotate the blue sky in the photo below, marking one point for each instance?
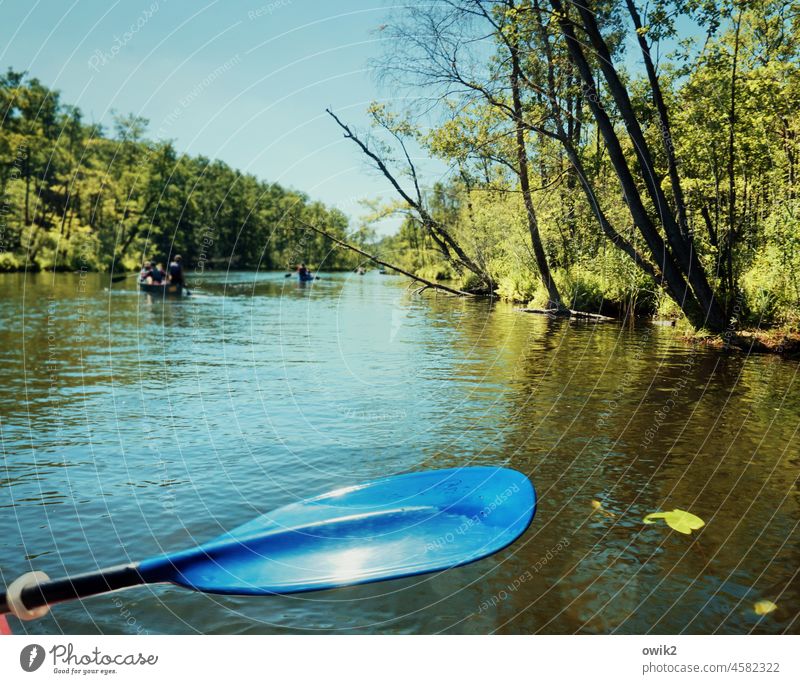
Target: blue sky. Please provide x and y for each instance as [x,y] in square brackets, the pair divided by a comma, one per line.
[245,81]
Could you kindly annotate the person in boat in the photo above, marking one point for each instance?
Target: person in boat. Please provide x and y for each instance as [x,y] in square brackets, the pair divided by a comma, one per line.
[176,271]
[303,272]
[146,274]
[158,274]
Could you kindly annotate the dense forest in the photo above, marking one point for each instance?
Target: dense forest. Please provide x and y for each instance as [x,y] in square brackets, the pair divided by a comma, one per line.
[613,155]
[610,156]
[77,197]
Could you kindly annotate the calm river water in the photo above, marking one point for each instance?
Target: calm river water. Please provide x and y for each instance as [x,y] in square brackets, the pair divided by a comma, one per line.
[132,425]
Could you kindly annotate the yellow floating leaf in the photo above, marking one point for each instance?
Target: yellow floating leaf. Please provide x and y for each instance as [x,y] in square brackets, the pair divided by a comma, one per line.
[680,521]
[599,507]
[764,607]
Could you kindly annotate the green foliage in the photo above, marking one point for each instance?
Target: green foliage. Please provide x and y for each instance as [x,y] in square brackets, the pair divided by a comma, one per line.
[771,284]
[435,271]
[523,286]
[75,198]
[732,101]
[9,262]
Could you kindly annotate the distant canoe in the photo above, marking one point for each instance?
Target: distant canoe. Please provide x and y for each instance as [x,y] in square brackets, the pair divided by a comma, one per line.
[306,278]
[167,289]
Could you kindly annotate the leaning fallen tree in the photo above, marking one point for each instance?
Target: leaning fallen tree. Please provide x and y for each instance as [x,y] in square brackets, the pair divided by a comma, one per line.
[427,283]
[448,246]
[552,312]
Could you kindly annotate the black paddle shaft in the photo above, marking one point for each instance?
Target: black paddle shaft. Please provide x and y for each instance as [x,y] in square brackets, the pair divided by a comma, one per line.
[77,586]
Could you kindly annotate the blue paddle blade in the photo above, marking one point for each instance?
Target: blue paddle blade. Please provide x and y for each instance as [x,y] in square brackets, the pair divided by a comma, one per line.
[392,527]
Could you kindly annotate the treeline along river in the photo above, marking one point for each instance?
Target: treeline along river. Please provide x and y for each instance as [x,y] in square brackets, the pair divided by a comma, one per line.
[132,425]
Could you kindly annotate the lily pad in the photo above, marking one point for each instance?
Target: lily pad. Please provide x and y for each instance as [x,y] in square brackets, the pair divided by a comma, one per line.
[764,607]
[680,521]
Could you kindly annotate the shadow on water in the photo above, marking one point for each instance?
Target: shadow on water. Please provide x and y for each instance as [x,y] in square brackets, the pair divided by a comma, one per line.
[132,424]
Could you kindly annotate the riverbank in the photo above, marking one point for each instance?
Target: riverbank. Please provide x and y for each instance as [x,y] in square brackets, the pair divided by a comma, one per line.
[757,341]
[772,341]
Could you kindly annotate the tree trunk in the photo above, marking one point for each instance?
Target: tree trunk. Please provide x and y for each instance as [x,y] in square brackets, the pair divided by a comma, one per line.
[678,265]
[553,296]
[684,252]
[568,137]
[674,281]
[27,191]
[663,116]
[731,238]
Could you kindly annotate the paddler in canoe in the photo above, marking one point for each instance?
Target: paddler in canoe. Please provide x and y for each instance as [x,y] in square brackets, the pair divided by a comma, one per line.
[304,274]
[155,280]
[152,275]
[158,274]
[146,274]
[176,271]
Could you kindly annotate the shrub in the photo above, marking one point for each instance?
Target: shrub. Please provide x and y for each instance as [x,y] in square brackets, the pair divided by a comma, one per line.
[9,262]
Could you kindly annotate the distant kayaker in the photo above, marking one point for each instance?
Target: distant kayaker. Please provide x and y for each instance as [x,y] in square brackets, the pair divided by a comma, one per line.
[176,271]
[303,272]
